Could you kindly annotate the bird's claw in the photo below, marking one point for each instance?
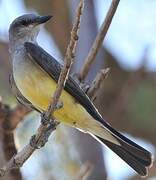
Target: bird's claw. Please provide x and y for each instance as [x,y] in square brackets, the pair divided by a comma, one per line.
[52,125]
[34,143]
[59,105]
[85,87]
[37,144]
[44,119]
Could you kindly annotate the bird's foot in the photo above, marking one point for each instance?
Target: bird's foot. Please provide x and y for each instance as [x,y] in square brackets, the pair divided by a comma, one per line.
[44,119]
[33,142]
[59,105]
[51,127]
[38,143]
[85,87]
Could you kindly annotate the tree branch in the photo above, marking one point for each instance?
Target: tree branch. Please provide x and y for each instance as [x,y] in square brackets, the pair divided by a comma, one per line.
[97,83]
[67,61]
[98,40]
[9,119]
[46,129]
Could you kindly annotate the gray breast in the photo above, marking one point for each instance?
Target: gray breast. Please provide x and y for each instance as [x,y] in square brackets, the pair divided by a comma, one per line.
[21,64]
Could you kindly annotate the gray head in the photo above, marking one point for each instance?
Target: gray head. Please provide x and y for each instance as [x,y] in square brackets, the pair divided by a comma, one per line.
[26,27]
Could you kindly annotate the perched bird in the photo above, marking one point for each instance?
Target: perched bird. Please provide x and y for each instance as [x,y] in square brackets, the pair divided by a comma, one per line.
[36,73]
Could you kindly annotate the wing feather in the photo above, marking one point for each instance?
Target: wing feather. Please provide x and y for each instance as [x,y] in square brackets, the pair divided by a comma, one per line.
[53,68]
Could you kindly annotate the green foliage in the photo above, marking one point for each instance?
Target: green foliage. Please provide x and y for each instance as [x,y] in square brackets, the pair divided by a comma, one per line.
[142,106]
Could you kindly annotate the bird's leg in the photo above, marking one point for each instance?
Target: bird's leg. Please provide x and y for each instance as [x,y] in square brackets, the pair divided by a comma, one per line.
[84,85]
[33,142]
[50,124]
[44,119]
[38,143]
[59,105]
[51,127]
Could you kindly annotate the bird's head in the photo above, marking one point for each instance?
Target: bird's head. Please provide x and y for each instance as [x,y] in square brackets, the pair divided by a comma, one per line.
[26,27]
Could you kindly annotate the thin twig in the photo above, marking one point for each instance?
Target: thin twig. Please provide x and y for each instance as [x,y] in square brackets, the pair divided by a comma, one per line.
[67,61]
[19,159]
[98,40]
[97,83]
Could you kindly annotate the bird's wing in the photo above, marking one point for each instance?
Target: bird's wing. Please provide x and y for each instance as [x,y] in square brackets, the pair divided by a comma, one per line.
[53,68]
[136,156]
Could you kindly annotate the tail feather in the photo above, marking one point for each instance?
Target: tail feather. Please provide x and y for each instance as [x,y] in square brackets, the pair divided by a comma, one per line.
[134,155]
[141,154]
[138,158]
[130,159]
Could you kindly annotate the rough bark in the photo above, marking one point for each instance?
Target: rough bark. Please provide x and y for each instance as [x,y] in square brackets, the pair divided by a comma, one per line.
[8,121]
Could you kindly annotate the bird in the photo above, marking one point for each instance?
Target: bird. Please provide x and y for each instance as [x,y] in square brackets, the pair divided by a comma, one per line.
[36,73]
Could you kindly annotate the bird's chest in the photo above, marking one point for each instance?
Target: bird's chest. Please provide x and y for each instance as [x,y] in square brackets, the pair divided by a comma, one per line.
[38,87]
[23,70]
[31,80]
[21,64]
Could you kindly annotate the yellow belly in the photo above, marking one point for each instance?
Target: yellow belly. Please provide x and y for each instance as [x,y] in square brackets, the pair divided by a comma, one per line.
[38,87]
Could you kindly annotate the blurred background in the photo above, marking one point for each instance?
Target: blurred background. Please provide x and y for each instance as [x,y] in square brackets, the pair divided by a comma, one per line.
[126,99]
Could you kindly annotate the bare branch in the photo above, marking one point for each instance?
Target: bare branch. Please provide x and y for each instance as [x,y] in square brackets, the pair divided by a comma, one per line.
[98,40]
[97,83]
[45,130]
[67,61]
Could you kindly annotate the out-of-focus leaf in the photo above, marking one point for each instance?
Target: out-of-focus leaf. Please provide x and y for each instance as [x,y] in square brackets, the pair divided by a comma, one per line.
[141,107]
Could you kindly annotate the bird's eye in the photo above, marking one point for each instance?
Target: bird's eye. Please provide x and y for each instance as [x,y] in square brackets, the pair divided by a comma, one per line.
[25,22]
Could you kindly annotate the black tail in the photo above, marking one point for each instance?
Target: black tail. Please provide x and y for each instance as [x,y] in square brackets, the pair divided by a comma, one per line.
[135,156]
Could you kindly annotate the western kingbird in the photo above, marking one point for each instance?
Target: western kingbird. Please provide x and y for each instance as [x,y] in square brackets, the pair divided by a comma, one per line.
[36,74]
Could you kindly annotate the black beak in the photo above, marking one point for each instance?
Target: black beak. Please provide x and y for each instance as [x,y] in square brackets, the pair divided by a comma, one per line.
[43,19]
